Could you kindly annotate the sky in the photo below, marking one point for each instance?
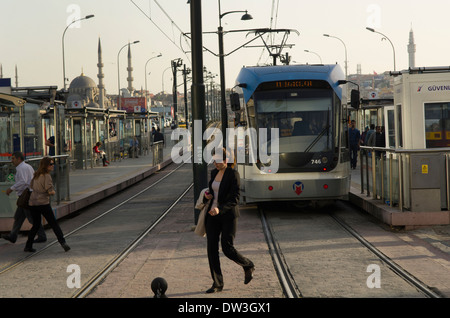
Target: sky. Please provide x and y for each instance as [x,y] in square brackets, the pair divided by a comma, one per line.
[32,31]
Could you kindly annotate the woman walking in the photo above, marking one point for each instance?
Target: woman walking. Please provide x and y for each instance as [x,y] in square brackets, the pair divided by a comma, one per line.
[221,220]
[42,187]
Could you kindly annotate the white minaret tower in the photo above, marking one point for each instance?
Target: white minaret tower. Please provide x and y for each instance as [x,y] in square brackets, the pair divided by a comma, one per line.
[412,50]
[17,77]
[130,69]
[100,75]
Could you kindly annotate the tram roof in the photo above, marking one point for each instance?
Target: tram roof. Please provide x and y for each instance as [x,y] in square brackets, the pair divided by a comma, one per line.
[254,76]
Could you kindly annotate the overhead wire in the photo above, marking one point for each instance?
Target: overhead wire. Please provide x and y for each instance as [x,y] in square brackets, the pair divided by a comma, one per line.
[159,28]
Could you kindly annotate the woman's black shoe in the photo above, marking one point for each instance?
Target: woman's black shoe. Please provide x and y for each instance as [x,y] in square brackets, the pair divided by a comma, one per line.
[248,274]
[29,249]
[65,247]
[214,290]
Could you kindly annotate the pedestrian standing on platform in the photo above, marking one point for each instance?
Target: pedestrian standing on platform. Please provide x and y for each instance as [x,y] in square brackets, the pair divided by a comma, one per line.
[158,136]
[24,174]
[42,186]
[101,153]
[221,220]
[354,137]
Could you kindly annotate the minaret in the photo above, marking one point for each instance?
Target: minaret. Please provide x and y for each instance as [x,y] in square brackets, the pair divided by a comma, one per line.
[130,69]
[411,50]
[17,78]
[100,75]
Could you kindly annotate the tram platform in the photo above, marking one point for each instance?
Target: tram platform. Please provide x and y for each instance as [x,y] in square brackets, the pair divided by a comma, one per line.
[392,215]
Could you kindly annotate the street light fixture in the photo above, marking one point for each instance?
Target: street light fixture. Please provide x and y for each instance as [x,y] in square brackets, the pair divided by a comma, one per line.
[64,33]
[118,71]
[223,101]
[345,47]
[145,70]
[384,37]
[307,51]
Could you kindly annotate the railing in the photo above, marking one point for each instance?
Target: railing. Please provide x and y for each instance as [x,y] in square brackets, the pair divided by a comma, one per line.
[157,150]
[387,174]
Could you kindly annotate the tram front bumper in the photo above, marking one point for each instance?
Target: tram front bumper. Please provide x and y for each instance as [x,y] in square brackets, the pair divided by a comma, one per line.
[292,190]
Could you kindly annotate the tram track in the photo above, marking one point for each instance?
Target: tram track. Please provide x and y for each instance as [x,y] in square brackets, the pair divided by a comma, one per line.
[94,230]
[42,250]
[392,265]
[286,266]
[287,282]
[96,279]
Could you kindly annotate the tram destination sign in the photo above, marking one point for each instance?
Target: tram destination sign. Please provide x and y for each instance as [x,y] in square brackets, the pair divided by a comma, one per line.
[286,84]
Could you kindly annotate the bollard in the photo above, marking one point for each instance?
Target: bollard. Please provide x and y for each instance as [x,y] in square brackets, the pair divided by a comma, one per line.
[159,287]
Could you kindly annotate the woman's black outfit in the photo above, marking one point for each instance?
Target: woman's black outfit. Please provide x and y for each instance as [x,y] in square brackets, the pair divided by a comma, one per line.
[225,223]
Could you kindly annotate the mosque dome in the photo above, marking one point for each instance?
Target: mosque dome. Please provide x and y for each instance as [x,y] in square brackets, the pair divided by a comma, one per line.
[82,81]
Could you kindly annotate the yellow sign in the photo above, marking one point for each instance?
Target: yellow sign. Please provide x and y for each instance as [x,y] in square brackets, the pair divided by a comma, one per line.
[424,169]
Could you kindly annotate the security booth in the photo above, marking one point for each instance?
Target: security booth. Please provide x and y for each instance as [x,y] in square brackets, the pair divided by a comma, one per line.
[422,117]
[13,120]
[412,171]
[21,129]
[138,127]
[86,126]
[114,145]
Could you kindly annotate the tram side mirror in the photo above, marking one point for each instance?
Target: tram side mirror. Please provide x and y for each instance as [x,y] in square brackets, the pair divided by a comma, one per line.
[235,102]
[355,99]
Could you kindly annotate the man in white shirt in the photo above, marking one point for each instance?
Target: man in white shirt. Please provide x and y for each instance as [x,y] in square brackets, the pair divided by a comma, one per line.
[24,174]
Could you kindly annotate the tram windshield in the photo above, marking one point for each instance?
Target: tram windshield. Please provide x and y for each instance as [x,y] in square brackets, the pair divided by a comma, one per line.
[304,119]
[305,122]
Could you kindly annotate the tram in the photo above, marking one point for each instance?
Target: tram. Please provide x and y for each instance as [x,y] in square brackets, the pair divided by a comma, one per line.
[306,105]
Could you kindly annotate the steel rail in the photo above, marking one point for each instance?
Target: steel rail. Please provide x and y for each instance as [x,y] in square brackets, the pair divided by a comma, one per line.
[394,267]
[15,264]
[287,282]
[96,279]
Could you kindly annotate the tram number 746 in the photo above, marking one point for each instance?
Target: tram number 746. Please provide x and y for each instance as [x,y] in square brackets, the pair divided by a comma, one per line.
[316,161]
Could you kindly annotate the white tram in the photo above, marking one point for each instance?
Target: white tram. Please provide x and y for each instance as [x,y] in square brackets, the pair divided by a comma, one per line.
[303,109]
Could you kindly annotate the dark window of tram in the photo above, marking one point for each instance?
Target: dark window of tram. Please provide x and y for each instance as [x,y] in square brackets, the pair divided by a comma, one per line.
[437,125]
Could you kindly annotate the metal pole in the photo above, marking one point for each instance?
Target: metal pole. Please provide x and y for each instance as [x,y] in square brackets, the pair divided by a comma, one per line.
[186,116]
[200,172]
[223,101]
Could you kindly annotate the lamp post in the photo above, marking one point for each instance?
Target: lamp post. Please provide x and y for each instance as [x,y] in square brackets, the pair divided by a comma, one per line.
[175,65]
[223,101]
[345,47]
[63,55]
[385,37]
[307,51]
[145,70]
[118,72]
